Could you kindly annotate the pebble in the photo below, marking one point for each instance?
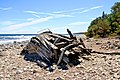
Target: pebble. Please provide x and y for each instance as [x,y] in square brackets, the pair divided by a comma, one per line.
[48,73]
[60,70]
[1,76]
[96,68]
[81,60]
[25,69]
[59,78]
[8,76]
[111,72]
[76,73]
[98,43]
[49,69]
[1,50]
[84,78]
[115,70]
[2,66]
[42,64]
[103,56]
[19,71]
[103,73]
[29,68]
[64,71]
[94,64]
[110,58]
[78,66]
[116,75]
[54,67]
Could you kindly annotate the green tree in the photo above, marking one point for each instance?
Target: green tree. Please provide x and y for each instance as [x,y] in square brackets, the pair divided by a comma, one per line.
[107,24]
[115,18]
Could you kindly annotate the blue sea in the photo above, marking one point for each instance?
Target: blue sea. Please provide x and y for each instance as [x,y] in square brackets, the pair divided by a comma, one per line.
[10,38]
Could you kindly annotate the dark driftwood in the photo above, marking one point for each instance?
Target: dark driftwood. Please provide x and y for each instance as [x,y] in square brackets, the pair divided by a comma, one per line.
[58,36]
[82,42]
[71,35]
[63,51]
[56,47]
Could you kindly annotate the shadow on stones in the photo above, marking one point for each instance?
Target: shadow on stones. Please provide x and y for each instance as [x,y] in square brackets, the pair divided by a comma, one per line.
[33,57]
[107,53]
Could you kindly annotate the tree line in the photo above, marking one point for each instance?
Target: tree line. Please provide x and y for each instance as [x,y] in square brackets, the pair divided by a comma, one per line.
[107,24]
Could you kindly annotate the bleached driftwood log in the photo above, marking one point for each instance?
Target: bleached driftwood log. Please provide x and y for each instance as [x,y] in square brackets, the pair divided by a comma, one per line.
[56,47]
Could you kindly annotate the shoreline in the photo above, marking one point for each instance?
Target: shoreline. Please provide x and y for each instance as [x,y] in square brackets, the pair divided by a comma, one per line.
[99,66]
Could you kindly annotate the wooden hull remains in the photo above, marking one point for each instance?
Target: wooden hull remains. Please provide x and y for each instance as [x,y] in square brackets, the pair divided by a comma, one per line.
[56,48]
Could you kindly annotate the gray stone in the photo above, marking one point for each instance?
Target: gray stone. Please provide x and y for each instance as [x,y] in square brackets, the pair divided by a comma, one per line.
[78,66]
[59,78]
[1,50]
[19,71]
[49,73]
[54,67]
[98,43]
[76,73]
[84,78]
[116,75]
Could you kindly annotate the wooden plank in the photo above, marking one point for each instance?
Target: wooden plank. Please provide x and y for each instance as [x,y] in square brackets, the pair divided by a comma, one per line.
[70,34]
[63,51]
[49,45]
[52,45]
[66,59]
[82,42]
[61,37]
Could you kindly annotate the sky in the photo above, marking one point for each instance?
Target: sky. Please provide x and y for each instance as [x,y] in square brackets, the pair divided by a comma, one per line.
[35,16]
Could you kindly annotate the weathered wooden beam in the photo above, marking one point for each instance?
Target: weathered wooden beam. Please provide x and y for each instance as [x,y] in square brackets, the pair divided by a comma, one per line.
[40,43]
[51,46]
[82,42]
[63,51]
[70,34]
[56,40]
[61,37]
[66,59]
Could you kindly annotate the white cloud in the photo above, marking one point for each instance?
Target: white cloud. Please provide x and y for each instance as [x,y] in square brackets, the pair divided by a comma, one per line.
[30,19]
[52,15]
[61,15]
[79,23]
[36,15]
[7,8]
[86,10]
[96,7]
[43,13]
[6,22]
[32,12]
[77,10]
[68,11]
[17,26]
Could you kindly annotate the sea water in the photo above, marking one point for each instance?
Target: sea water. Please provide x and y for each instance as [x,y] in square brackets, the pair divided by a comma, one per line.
[10,38]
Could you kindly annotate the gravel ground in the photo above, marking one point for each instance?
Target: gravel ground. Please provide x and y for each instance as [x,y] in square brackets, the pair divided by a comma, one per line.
[104,66]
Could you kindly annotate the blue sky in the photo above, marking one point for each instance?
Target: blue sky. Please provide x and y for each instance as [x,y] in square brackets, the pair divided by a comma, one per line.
[32,16]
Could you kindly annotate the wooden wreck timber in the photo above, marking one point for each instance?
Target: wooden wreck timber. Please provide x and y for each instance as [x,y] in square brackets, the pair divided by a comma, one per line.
[56,48]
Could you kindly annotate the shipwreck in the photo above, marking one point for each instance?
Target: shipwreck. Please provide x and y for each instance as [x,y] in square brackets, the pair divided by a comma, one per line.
[53,48]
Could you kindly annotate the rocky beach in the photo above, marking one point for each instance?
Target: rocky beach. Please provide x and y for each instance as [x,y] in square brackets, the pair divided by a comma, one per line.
[102,64]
